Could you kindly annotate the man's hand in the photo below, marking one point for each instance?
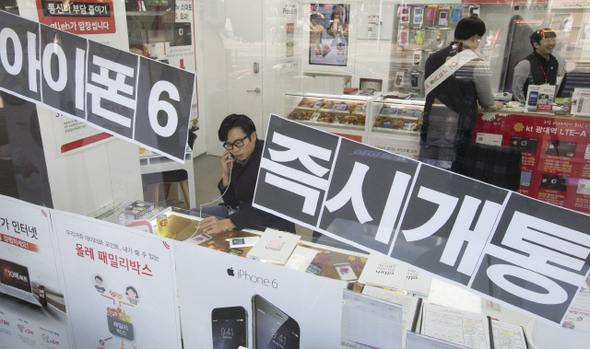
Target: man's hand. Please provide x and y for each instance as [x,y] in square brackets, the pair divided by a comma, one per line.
[213,225]
[227,163]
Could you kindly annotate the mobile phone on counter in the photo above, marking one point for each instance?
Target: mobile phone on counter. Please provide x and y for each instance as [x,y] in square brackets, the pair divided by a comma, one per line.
[229,327]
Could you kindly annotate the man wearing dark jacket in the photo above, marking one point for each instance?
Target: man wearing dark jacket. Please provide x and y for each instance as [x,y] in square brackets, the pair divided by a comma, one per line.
[456,79]
[538,68]
[240,163]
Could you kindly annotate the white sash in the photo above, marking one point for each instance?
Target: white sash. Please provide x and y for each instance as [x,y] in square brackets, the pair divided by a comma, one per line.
[448,69]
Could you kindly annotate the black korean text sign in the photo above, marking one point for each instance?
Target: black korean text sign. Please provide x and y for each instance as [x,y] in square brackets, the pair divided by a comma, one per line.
[448,221]
[127,95]
[537,258]
[333,184]
[504,246]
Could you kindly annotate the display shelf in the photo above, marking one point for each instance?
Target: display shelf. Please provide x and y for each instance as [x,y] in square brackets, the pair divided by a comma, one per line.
[334,113]
[397,116]
[395,125]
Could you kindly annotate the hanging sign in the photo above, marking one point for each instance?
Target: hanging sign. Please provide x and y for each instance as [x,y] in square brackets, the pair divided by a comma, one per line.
[499,244]
[127,95]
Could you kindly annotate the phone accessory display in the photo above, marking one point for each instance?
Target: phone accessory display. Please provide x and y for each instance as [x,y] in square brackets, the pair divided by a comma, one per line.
[431,13]
[404,33]
[443,16]
[404,14]
[418,17]
[457,14]
[419,36]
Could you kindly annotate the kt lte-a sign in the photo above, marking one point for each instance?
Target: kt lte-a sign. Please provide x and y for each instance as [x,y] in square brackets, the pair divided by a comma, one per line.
[497,243]
[127,95]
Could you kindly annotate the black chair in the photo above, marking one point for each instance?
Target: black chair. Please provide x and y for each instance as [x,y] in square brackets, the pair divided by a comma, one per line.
[500,166]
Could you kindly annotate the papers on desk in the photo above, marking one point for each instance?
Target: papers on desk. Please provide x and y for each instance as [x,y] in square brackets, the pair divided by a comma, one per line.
[274,247]
[456,326]
[508,336]
[369,322]
[380,271]
[410,306]
[420,341]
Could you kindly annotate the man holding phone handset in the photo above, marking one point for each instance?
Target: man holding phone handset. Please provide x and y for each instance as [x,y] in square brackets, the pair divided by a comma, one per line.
[240,163]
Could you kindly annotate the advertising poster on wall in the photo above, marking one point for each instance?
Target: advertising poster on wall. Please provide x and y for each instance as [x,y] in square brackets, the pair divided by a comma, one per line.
[506,247]
[254,304]
[32,306]
[555,155]
[328,34]
[120,284]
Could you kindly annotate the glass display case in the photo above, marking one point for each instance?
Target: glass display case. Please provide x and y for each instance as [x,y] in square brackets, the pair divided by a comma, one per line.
[341,114]
[396,125]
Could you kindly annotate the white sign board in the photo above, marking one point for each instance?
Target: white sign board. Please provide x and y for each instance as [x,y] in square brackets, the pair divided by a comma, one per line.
[120,284]
[227,301]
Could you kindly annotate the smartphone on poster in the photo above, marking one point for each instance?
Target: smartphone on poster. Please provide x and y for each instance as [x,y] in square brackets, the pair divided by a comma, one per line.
[229,327]
[273,328]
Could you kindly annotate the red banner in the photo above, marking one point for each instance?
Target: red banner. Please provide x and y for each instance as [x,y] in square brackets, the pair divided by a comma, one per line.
[78,16]
[20,243]
[555,155]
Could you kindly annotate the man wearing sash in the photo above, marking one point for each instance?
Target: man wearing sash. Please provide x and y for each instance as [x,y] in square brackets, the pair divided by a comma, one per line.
[456,79]
[538,68]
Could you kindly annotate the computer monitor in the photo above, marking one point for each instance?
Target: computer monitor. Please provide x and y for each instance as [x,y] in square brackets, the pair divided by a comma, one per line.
[572,80]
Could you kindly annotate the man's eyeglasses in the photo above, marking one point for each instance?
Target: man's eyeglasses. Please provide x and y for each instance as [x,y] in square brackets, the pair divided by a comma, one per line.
[238,143]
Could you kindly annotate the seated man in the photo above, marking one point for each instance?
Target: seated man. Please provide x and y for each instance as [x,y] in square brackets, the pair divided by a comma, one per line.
[240,163]
[538,68]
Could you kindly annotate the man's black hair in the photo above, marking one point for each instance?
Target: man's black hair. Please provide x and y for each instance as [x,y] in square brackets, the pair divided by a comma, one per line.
[235,120]
[97,277]
[537,36]
[468,27]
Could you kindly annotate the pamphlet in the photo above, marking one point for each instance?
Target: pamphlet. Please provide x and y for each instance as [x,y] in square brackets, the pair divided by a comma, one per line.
[580,102]
[456,326]
[545,99]
[274,246]
[578,316]
[380,271]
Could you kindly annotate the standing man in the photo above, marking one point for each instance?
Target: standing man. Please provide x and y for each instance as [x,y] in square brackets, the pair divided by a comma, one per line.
[240,163]
[456,79]
[538,68]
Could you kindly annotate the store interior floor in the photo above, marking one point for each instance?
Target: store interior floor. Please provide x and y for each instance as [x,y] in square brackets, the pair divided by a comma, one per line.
[207,174]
